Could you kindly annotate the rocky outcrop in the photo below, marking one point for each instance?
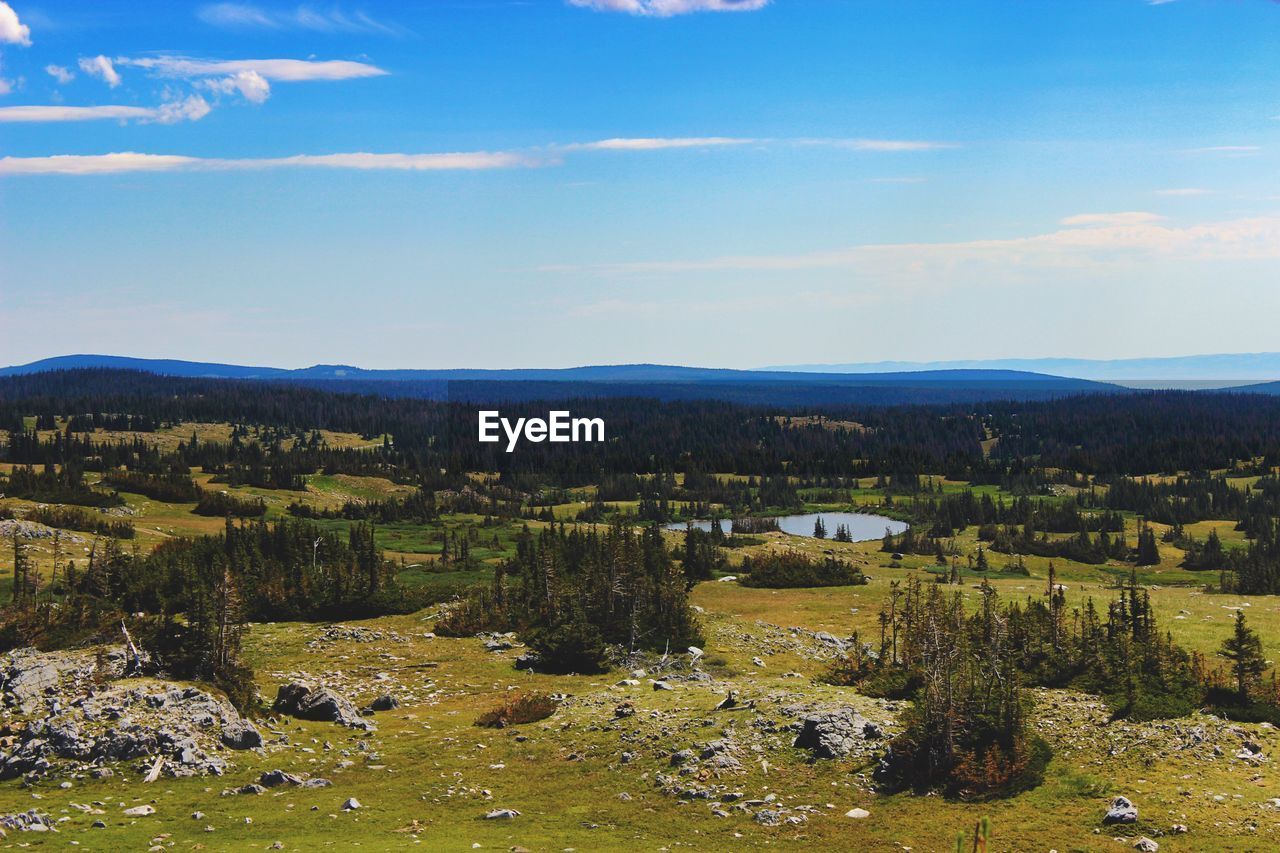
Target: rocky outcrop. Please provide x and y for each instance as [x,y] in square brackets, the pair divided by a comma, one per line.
[66,721]
[831,734]
[318,703]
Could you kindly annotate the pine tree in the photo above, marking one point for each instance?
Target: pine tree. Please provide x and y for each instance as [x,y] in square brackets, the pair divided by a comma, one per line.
[1244,649]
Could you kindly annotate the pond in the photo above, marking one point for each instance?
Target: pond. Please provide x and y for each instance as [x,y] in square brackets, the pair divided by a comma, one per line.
[863,527]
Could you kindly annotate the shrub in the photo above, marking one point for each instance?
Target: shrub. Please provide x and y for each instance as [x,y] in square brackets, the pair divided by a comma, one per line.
[524,708]
[568,645]
[221,504]
[794,569]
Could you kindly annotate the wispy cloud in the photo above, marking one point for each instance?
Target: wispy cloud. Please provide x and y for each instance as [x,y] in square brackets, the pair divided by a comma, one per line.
[1087,240]
[1093,220]
[60,73]
[191,108]
[657,143]
[129,161]
[643,143]
[251,86]
[102,68]
[275,70]
[548,155]
[12,30]
[1232,150]
[670,8]
[881,145]
[1184,191]
[245,16]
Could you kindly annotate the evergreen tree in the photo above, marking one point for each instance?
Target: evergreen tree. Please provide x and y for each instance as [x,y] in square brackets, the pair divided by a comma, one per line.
[1244,649]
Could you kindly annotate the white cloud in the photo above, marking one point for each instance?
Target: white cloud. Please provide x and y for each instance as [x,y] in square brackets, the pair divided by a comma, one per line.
[1089,241]
[102,68]
[669,8]
[60,73]
[244,16]
[195,107]
[192,108]
[6,86]
[1184,191]
[128,161]
[60,113]
[275,70]
[1091,220]
[880,145]
[643,143]
[94,164]
[13,31]
[251,85]
[656,143]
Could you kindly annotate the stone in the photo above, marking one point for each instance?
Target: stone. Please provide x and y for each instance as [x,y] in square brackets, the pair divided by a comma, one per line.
[1121,811]
[351,804]
[275,778]
[502,814]
[662,685]
[141,811]
[28,821]
[321,704]
[830,734]
[385,702]
[858,814]
[241,734]
[1146,845]
[29,678]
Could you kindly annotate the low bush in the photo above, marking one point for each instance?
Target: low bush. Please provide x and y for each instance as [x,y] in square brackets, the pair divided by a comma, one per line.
[524,708]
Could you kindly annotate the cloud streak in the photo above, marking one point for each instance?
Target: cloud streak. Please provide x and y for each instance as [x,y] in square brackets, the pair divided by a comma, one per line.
[245,16]
[1086,240]
[274,70]
[192,108]
[125,162]
[669,8]
[195,107]
[657,143]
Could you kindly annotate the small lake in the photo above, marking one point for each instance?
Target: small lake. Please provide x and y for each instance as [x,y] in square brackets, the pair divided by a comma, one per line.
[863,527]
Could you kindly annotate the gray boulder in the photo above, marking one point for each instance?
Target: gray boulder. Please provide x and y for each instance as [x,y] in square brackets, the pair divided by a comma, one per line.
[830,734]
[241,734]
[1121,811]
[322,704]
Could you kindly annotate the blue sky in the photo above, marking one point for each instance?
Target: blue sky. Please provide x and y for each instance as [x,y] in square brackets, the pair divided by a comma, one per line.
[719,182]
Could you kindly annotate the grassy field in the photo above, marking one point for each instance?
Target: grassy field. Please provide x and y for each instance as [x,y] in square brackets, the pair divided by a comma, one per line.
[428,775]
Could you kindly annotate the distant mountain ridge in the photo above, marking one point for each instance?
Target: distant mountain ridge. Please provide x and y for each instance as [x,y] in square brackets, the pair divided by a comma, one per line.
[662,382]
[1224,368]
[643,373]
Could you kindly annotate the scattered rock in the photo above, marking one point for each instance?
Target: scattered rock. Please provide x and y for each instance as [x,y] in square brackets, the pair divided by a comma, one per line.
[858,814]
[141,811]
[385,702]
[351,804]
[1146,845]
[276,778]
[502,814]
[1121,811]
